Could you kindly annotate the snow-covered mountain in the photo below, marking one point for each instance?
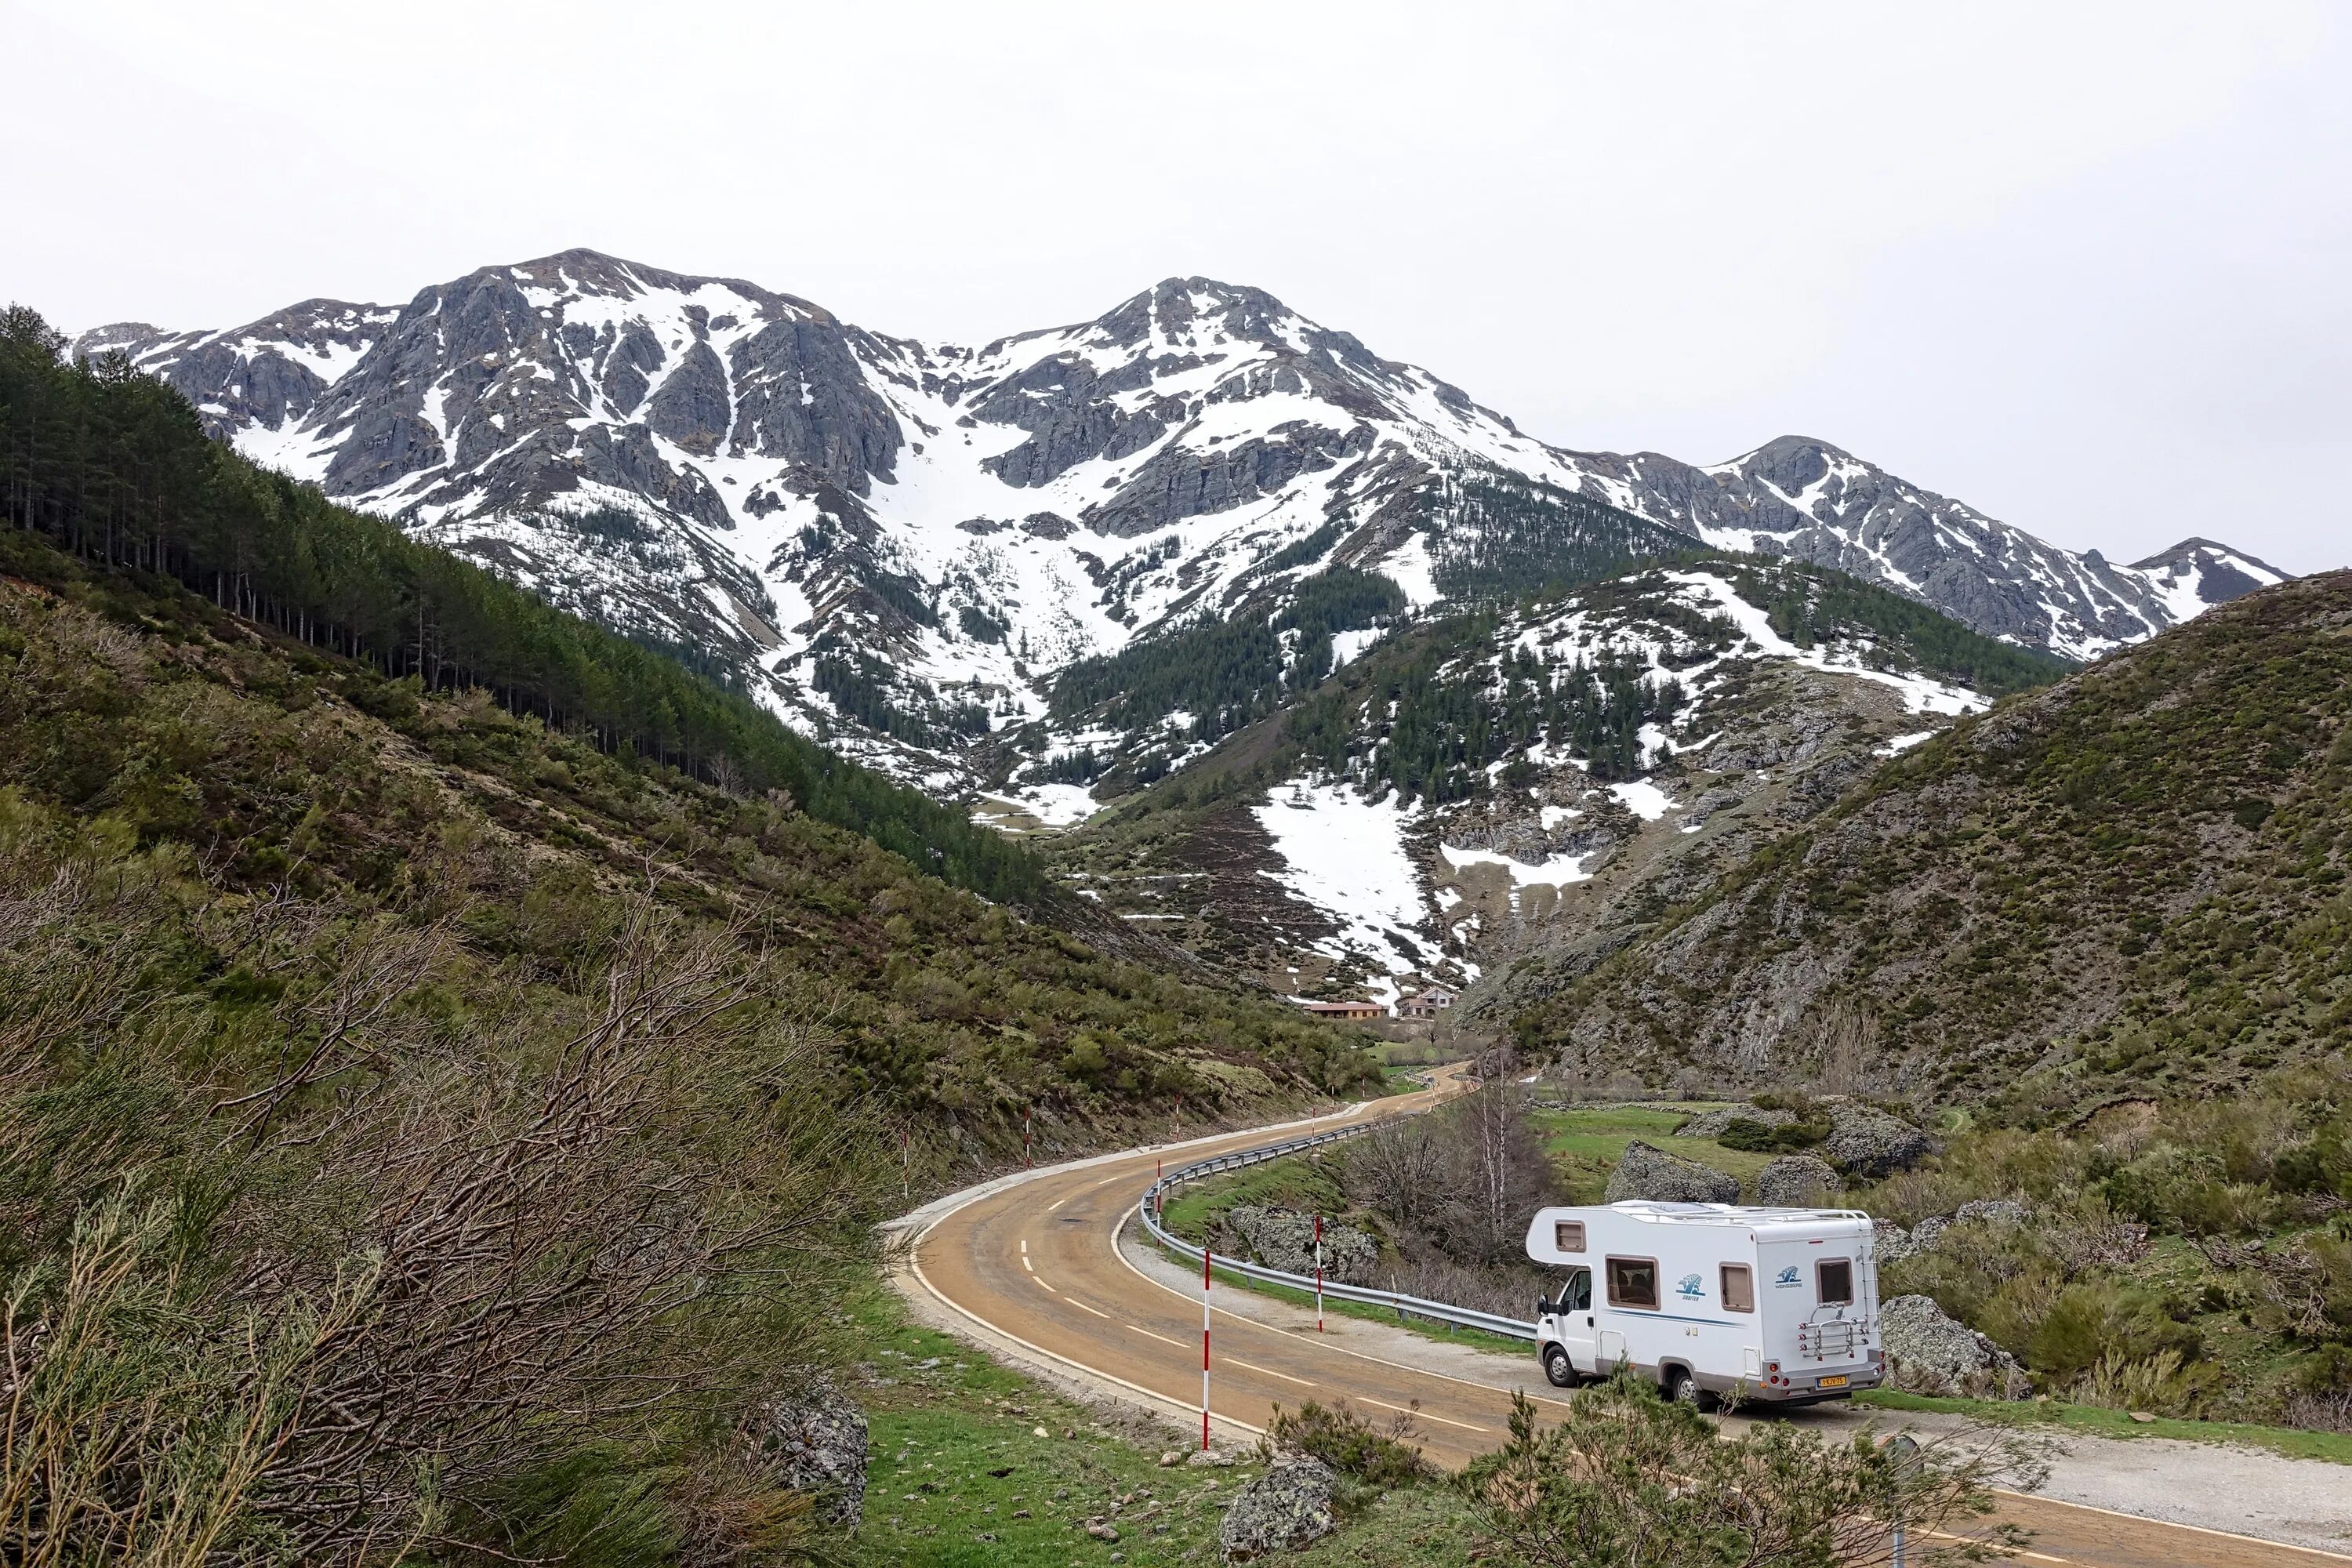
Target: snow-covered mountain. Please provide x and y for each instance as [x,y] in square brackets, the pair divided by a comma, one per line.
[900,544]
[1513,795]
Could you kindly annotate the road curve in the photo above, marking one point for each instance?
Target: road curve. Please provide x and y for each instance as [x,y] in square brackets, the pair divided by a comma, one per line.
[1030,1265]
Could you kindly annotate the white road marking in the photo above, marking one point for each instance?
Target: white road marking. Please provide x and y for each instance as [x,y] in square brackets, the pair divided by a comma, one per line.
[2019,1552]
[941,1297]
[1418,1414]
[1163,1339]
[1082,1307]
[1318,1342]
[2175,1524]
[1236,1361]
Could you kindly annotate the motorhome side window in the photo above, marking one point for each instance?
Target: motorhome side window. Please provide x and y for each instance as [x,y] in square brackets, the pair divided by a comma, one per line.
[1575,1296]
[1568,1234]
[1634,1282]
[1837,1282]
[1739,1289]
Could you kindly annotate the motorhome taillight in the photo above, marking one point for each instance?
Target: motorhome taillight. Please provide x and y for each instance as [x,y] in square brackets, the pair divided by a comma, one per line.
[1773,1378]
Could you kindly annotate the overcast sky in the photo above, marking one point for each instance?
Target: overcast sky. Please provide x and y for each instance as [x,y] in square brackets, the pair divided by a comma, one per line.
[2086,267]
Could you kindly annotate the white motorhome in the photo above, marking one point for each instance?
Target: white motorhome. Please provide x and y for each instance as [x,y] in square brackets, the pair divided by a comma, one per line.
[1779,1306]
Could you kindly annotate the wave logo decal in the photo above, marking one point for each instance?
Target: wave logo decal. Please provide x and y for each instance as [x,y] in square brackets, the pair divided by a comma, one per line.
[1786,1279]
[1691,1289]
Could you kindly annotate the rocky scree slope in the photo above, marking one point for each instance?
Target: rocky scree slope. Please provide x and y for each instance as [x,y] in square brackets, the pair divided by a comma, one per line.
[2130,882]
[1505,797]
[896,544]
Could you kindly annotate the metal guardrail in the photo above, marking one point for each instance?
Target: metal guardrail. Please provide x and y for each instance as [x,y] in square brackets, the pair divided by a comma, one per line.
[1405,1305]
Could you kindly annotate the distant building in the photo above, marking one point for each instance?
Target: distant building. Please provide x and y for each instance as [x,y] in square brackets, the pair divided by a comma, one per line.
[1427,1004]
[1342,1009]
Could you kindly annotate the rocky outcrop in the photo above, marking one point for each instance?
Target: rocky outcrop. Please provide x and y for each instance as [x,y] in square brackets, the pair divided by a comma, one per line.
[1797,1181]
[1927,1351]
[1285,1239]
[1713,1123]
[1895,1243]
[1866,1143]
[1649,1172]
[817,1444]
[1285,1509]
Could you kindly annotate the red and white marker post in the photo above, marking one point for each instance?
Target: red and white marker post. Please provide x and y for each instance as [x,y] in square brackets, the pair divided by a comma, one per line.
[1319,1273]
[1204,1350]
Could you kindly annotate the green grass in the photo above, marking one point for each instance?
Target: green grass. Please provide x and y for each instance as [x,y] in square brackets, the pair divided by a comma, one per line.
[1297,1182]
[2333,1447]
[939,1434]
[1586,1140]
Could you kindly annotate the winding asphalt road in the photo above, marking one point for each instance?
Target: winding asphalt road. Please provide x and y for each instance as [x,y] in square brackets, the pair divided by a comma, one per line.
[1031,1267]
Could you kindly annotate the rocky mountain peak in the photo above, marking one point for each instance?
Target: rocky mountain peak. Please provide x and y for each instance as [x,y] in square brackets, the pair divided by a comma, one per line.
[900,544]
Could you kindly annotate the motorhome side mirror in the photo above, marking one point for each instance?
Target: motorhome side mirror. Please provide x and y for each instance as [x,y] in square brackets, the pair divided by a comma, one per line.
[1543,1307]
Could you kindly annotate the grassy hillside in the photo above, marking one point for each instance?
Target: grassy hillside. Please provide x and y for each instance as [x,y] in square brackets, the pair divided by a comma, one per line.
[2130,883]
[423,1125]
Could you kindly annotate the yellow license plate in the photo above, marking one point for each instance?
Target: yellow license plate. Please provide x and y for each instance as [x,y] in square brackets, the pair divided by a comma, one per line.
[1832,1382]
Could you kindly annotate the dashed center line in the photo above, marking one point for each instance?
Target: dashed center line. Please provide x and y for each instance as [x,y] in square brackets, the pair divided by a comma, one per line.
[1418,1414]
[1236,1361]
[2020,1552]
[1082,1307]
[1163,1339]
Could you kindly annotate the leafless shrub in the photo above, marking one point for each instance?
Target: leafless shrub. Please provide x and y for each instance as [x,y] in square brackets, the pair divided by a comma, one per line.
[2319,1410]
[1463,1178]
[423,1273]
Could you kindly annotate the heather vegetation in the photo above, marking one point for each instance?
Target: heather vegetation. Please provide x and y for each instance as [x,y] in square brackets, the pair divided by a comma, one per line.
[2189,1257]
[2131,884]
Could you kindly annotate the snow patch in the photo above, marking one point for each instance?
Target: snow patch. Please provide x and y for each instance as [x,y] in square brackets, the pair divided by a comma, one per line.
[1348,858]
[1557,872]
[1643,799]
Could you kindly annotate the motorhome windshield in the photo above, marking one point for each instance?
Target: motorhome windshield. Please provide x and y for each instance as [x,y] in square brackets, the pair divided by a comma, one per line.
[1575,1292]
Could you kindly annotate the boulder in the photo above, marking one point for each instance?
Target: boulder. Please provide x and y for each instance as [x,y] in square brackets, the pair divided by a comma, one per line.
[1797,1181]
[1868,1143]
[817,1444]
[1285,1509]
[1991,1211]
[1895,1243]
[1650,1173]
[1712,1123]
[1929,1353]
[1285,1239]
